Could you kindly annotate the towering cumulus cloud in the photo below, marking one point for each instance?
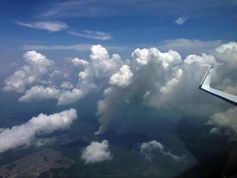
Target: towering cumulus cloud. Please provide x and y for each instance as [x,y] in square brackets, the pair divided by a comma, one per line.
[42,124]
[164,82]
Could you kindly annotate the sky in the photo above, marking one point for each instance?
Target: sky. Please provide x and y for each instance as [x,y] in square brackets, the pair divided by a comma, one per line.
[143,59]
[121,26]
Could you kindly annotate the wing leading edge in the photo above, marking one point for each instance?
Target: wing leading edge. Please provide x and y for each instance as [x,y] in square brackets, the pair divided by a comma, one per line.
[205,86]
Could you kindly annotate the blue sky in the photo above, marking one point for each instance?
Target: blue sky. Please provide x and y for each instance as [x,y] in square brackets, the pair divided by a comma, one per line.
[119,25]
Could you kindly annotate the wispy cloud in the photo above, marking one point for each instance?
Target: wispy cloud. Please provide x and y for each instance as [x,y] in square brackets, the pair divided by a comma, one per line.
[187,46]
[77,47]
[45,25]
[181,20]
[102,8]
[83,8]
[55,26]
[92,34]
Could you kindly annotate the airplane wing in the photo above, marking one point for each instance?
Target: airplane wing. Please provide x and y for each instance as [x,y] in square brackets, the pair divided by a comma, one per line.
[205,85]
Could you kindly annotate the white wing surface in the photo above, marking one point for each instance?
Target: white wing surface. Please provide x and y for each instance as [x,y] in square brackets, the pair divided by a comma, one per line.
[205,85]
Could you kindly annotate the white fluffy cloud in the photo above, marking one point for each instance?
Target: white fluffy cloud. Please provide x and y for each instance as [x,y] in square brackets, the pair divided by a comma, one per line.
[165,81]
[122,78]
[226,53]
[161,81]
[79,62]
[145,56]
[153,72]
[224,120]
[203,59]
[147,150]
[96,152]
[63,95]
[41,71]
[95,74]
[42,124]
[70,96]
[45,25]
[37,65]
[40,93]
[98,52]
[171,83]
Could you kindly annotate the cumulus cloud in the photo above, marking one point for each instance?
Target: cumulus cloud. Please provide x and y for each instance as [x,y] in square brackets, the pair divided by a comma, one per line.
[226,53]
[96,72]
[22,135]
[93,72]
[164,81]
[224,121]
[45,25]
[79,62]
[67,85]
[64,95]
[101,64]
[154,72]
[160,81]
[92,35]
[121,78]
[71,96]
[145,56]
[98,52]
[96,152]
[202,59]
[37,65]
[172,82]
[40,93]
[181,20]
[147,150]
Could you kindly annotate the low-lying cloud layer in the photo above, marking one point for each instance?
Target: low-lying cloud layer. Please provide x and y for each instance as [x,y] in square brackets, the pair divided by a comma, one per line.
[96,152]
[165,82]
[22,135]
